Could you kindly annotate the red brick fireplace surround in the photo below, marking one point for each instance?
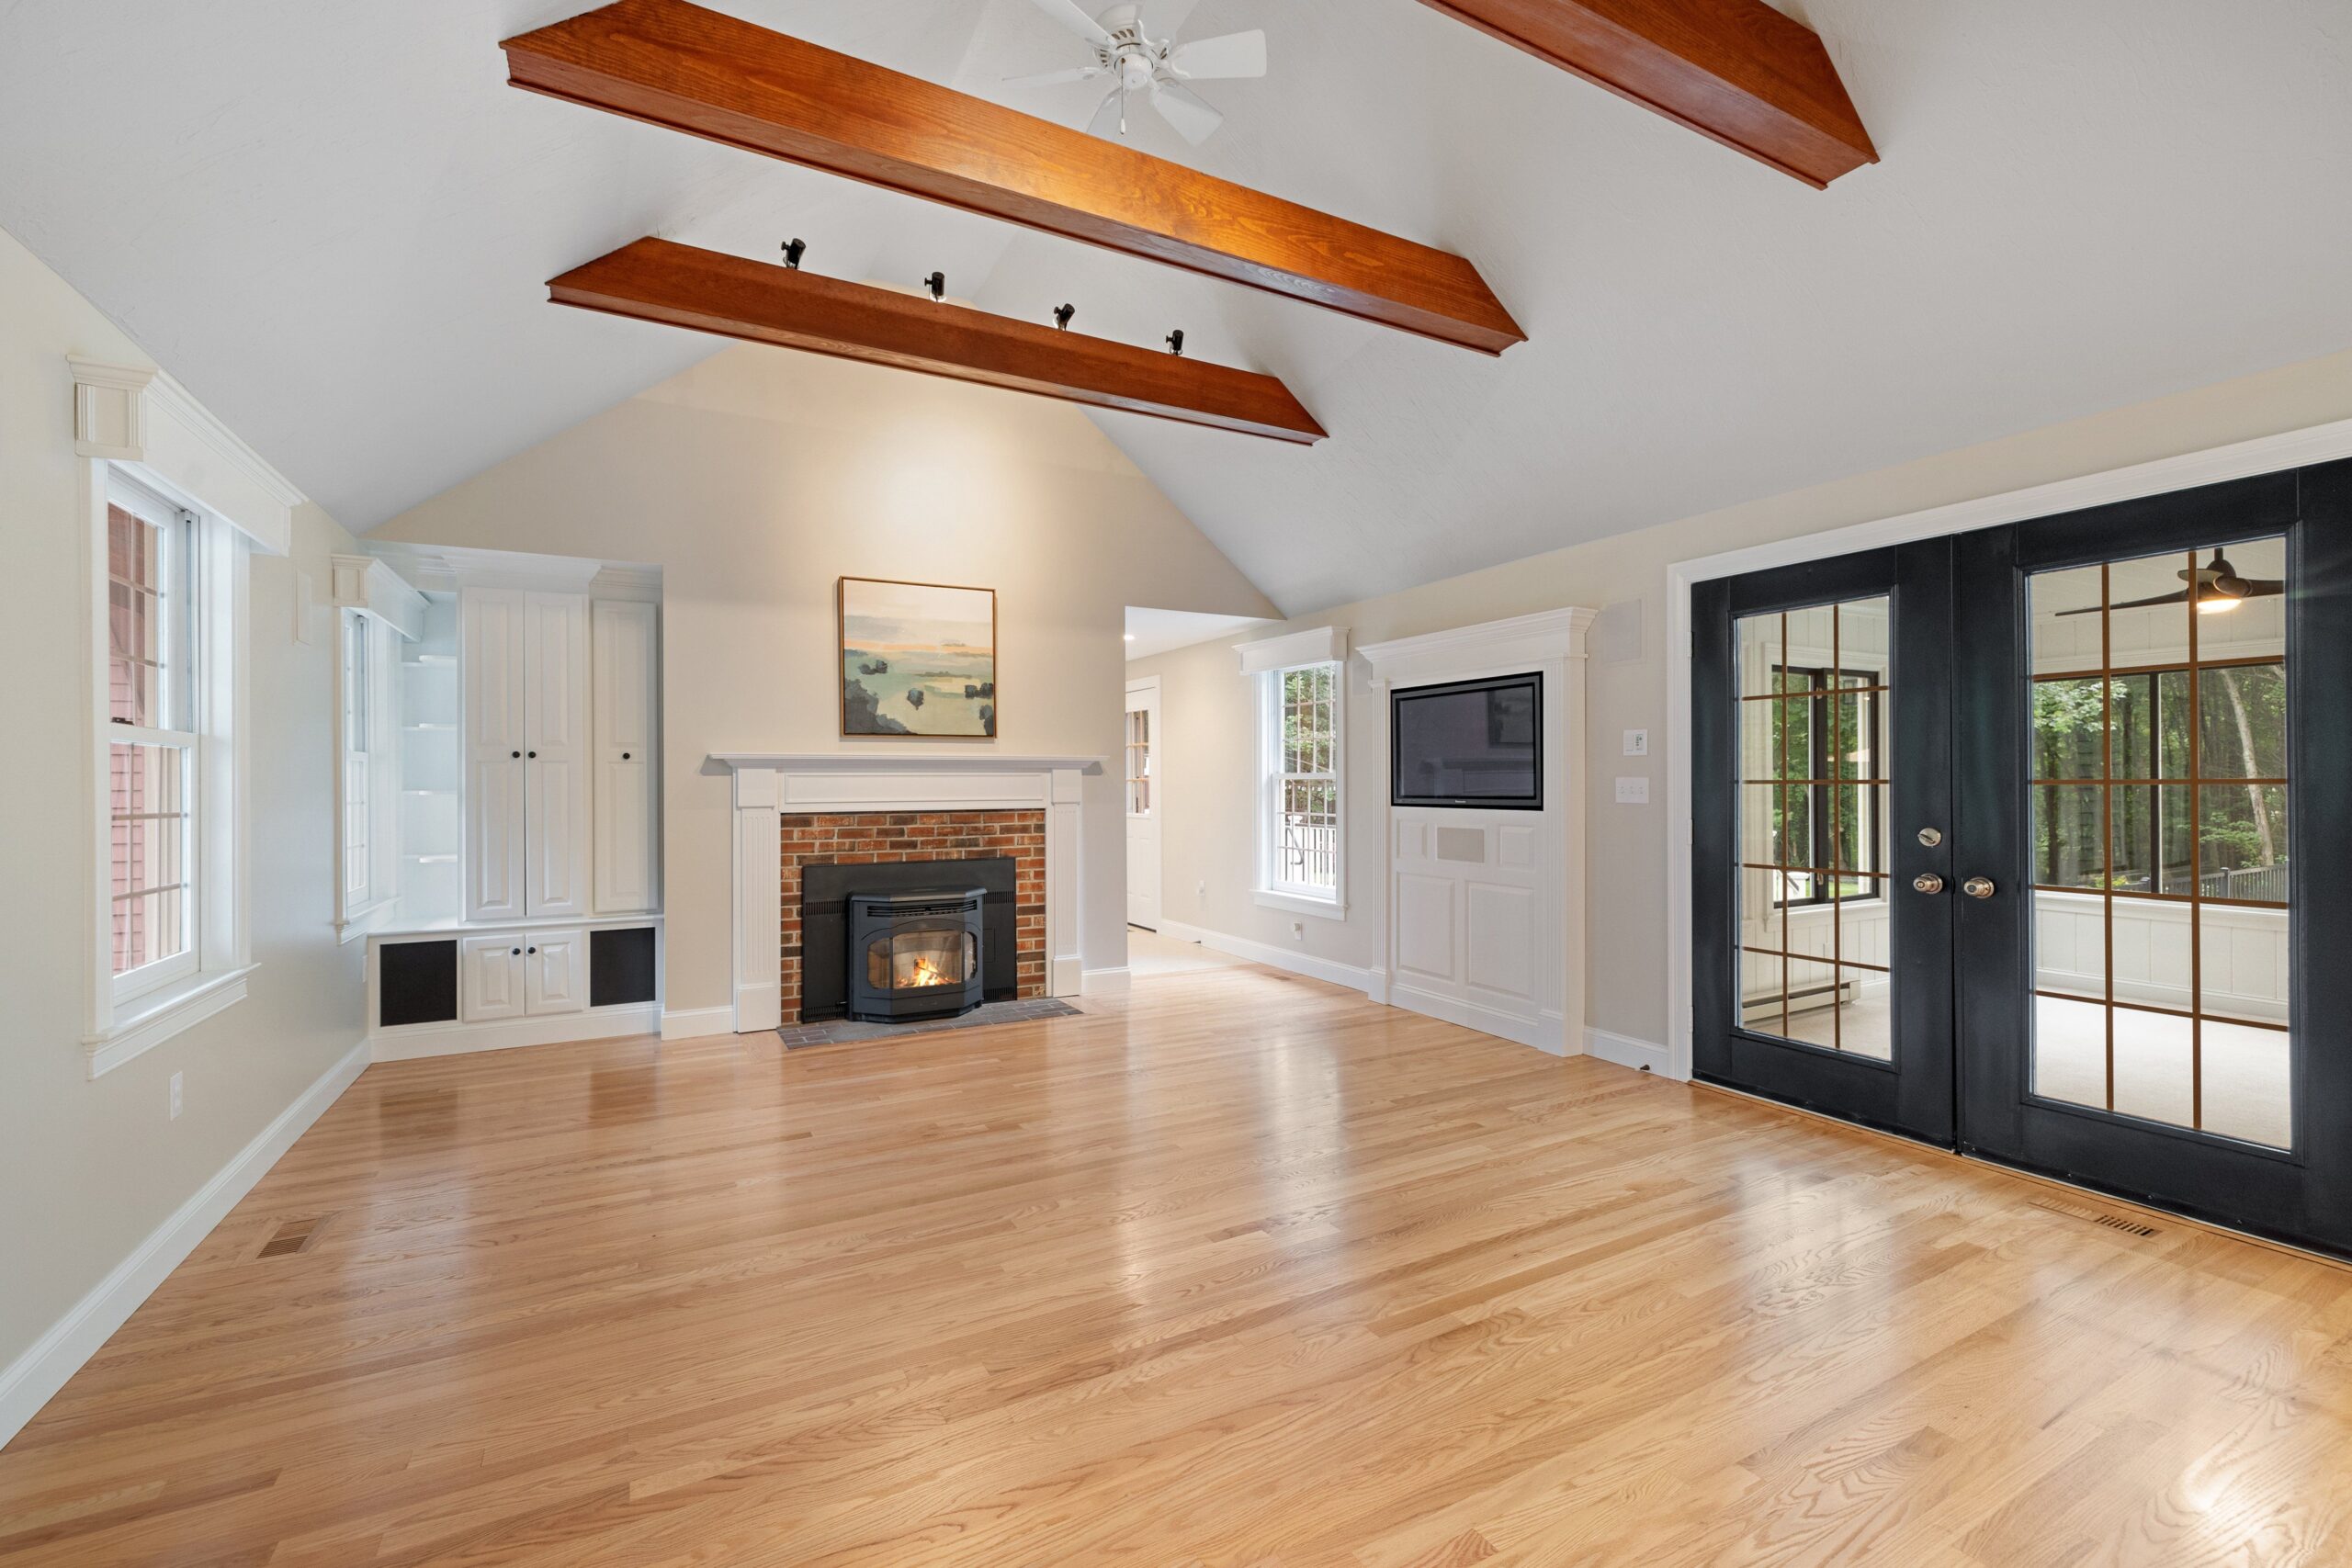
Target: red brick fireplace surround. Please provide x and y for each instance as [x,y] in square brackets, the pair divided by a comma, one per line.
[889,838]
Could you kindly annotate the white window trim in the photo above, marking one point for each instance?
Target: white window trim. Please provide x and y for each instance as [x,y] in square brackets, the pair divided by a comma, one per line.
[355,919]
[124,1022]
[1270,892]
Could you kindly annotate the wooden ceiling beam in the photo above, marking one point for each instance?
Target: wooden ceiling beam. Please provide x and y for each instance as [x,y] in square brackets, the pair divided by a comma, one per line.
[1735,71]
[660,280]
[711,76]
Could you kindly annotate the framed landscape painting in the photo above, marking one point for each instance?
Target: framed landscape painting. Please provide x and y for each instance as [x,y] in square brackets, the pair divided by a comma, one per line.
[918,659]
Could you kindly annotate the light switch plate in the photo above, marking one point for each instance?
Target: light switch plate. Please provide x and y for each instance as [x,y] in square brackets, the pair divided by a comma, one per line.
[1634,792]
[1637,743]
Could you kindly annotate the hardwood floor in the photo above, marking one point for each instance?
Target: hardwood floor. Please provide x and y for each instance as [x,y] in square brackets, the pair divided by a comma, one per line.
[1236,1270]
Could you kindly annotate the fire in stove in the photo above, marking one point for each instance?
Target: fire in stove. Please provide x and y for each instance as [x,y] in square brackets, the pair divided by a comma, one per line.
[925,972]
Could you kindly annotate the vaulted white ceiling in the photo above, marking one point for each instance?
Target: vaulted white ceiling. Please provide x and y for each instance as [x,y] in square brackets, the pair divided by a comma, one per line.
[333,219]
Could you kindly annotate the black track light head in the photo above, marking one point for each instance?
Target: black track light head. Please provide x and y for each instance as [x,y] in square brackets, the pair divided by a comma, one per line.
[1176,343]
[1062,316]
[793,250]
[937,284]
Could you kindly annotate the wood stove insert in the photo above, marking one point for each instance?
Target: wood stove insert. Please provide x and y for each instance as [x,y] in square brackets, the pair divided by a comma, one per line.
[915,953]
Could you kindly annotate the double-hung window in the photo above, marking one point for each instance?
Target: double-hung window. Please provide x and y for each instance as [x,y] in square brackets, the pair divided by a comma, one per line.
[154,725]
[1302,760]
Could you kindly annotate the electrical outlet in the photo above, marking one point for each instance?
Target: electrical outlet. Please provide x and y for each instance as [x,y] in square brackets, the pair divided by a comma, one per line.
[1637,743]
[175,1097]
[1298,931]
[1634,792]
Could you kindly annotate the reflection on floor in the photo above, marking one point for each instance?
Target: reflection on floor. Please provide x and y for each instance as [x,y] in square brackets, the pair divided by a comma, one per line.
[1099,1292]
[2246,1070]
[1150,954]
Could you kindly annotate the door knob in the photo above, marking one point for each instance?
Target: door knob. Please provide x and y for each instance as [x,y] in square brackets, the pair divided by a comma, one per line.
[1978,887]
[1928,882]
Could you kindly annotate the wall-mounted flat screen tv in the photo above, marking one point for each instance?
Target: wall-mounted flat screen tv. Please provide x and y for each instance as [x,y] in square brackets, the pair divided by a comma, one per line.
[1470,744]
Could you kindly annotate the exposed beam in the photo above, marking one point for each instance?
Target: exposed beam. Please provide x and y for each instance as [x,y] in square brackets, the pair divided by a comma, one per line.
[660,280]
[1736,71]
[712,75]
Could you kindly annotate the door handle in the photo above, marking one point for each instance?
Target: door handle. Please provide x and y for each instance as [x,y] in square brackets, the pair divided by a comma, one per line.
[1928,882]
[1979,887]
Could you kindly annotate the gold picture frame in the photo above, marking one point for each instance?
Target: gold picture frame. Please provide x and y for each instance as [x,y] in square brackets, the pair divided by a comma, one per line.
[911,665]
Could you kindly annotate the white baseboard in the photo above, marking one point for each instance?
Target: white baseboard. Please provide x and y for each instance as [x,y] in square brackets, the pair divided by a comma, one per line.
[1545,1034]
[31,1380]
[1625,1050]
[1372,983]
[557,1029]
[1105,982]
[694,1023]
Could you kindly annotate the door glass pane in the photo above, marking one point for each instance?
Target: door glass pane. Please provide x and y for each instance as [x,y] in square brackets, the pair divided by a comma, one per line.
[2161,860]
[1815,922]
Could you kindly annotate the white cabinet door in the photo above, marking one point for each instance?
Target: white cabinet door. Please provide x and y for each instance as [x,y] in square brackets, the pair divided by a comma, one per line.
[554,754]
[491,649]
[490,978]
[624,807]
[555,967]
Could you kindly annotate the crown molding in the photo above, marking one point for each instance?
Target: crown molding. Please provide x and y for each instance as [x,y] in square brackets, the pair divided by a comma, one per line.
[1322,645]
[1465,651]
[140,416]
[365,583]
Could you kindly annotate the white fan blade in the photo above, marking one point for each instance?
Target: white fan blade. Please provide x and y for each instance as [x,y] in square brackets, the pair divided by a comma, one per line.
[1047,78]
[1067,14]
[1110,119]
[1186,110]
[1215,59]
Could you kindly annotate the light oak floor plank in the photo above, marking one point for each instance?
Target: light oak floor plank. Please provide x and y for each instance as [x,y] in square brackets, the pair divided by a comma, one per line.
[1235,1271]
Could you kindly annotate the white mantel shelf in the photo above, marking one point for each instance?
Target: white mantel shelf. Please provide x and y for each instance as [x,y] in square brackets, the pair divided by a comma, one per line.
[900,762]
[771,785]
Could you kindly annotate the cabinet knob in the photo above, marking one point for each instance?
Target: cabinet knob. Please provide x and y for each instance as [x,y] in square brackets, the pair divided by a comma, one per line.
[518,753]
[623,756]
[534,950]
[535,753]
[518,953]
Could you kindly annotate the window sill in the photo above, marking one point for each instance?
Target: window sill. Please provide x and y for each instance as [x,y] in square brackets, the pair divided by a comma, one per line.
[357,923]
[1299,904]
[163,1014]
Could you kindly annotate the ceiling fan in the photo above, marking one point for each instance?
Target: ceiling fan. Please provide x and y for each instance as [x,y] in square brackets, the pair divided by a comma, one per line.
[1136,62]
[2218,589]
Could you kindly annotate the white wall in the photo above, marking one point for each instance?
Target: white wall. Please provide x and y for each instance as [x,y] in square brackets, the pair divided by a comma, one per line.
[1208,715]
[756,480]
[89,1168]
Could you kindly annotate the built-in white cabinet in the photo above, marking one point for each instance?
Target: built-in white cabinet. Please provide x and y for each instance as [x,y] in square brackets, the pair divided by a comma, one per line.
[526,671]
[490,978]
[490,635]
[624,641]
[555,971]
[529,974]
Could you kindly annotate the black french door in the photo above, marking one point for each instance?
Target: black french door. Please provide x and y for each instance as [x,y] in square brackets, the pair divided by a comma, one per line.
[1822,747]
[2033,842]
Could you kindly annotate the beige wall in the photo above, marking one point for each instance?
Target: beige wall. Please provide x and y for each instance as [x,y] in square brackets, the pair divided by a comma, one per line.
[758,479]
[1207,717]
[89,1168]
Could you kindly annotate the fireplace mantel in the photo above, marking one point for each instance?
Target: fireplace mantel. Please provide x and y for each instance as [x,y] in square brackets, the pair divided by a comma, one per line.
[770,786]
